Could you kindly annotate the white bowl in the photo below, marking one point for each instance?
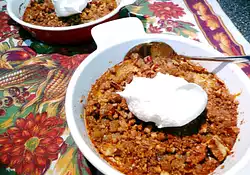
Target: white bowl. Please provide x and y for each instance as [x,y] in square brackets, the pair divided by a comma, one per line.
[124,34]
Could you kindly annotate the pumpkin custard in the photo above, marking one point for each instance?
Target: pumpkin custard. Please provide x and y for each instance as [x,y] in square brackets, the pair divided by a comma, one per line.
[135,147]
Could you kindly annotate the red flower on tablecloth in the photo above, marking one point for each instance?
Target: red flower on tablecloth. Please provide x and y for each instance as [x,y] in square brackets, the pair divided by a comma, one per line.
[166,10]
[69,62]
[154,29]
[4,27]
[31,145]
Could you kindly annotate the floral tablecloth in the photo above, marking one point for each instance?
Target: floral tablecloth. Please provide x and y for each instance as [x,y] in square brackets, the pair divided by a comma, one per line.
[34,137]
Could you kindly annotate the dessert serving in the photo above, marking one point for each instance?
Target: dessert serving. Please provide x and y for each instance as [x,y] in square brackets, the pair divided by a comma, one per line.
[42,12]
[63,21]
[136,147]
[105,125]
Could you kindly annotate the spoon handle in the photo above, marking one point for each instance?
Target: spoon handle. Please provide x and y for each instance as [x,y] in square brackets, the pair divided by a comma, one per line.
[235,59]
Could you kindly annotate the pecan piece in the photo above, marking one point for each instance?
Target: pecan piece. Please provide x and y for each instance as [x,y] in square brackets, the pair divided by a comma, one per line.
[218,149]
[197,155]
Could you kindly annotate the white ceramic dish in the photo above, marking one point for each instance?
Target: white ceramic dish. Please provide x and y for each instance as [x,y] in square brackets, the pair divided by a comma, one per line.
[112,47]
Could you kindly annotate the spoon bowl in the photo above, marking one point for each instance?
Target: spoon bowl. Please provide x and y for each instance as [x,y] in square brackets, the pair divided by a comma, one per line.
[201,98]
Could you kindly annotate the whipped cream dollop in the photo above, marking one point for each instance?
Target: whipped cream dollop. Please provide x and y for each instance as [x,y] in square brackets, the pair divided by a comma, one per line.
[65,8]
[166,100]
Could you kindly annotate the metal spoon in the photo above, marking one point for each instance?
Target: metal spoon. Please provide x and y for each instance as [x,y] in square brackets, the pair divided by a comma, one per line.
[156,49]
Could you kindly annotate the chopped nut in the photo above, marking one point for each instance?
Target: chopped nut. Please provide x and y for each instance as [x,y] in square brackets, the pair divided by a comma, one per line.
[153,134]
[139,127]
[112,70]
[203,129]
[122,113]
[114,125]
[115,98]
[115,116]
[123,104]
[133,133]
[148,129]
[97,134]
[148,59]
[219,150]
[197,154]
[160,148]
[131,122]
[123,123]
[158,169]
[171,150]
[107,110]
[134,56]
[129,79]
[164,173]
[115,85]
[108,149]
[161,136]
[130,115]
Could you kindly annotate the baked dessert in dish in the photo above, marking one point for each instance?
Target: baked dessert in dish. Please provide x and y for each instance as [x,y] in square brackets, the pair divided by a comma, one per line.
[42,13]
[135,147]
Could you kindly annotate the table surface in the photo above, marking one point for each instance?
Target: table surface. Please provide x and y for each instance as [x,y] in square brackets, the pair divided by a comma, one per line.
[239,12]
